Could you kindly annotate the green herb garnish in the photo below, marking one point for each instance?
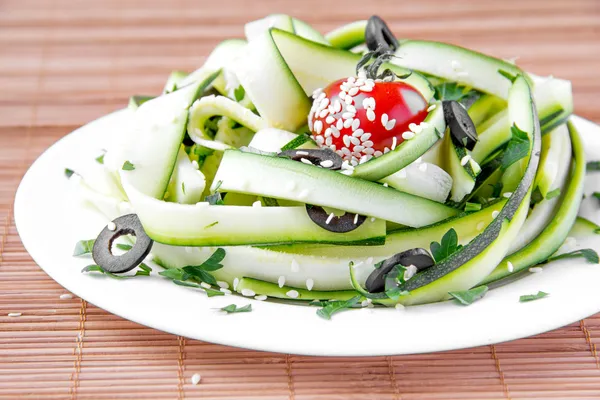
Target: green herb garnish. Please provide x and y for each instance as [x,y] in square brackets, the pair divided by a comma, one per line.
[448,246]
[512,78]
[472,207]
[553,193]
[145,271]
[211,225]
[127,166]
[69,172]
[122,246]
[590,255]
[183,187]
[209,292]
[296,142]
[239,93]
[531,297]
[517,148]
[593,166]
[536,196]
[497,189]
[100,159]
[467,297]
[333,307]
[84,247]
[232,308]
[453,91]
[211,126]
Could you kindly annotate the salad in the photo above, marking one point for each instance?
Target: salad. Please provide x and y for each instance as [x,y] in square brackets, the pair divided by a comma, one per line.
[345,170]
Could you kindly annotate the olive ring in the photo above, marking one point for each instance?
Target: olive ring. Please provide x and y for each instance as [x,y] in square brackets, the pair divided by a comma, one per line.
[125,225]
[341,224]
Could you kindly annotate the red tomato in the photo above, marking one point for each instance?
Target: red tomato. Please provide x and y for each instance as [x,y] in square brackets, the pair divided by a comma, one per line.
[360,118]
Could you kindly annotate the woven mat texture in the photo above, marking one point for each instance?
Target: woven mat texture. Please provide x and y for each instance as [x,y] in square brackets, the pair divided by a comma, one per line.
[64,63]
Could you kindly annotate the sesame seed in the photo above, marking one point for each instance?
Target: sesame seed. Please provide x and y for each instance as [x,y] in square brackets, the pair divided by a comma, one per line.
[327,133]
[423,167]
[353,91]
[335,131]
[355,124]
[339,124]
[329,218]
[261,297]
[419,160]
[358,148]
[394,142]
[431,107]
[385,185]
[364,303]
[348,100]
[236,282]
[411,270]
[480,226]
[320,97]
[196,379]
[510,266]
[390,125]
[195,164]
[305,161]
[364,137]
[222,284]
[281,281]
[424,125]
[332,147]
[367,143]
[362,74]
[205,285]
[370,115]
[384,119]
[358,133]
[495,214]
[348,115]
[111,226]
[351,79]
[66,296]
[225,290]
[364,159]
[355,219]
[354,141]
[257,204]
[328,141]
[326,164]
[386,150]
[346,172]
[318,125]
[331,109]
[324,103]
[293,294]
[535,269]
[348,123]
[373,219]
[366,88]
[342,95]
[330,119]
[323,113]
[310,283]
[319,140]
[399,307]
[346,140]
[415,128]
[295,266]
[465,160]
[346,150]
[337,106]
[366,102]
[378,153]
[351,108]
[507,194]
[368,150]
[408,135]
[14,314]
[339,153]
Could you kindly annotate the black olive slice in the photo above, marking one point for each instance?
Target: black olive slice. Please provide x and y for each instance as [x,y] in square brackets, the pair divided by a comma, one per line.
[379,36]
[345,223]
[418,257]
[321,157]
[460,123]
[126,225]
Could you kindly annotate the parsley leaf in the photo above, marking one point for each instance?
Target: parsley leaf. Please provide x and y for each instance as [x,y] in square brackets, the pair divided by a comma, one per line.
[508,75]
[175,274]
[100,159]
[127,166]
[69,172]
[97,268]
[470,296]
[239,93]
[122,246]
[232,308]
[596,195]
[183,187]
[593,166]
[84,247]
[447,247]
[590,255]
[472,207]
[531,297]
[209,292]
[296,142]
[333,307]
[453,91]
[553,193]
[518,147]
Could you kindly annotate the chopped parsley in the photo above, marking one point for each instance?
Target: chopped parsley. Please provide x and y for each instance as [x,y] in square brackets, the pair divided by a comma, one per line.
[296,142]
[448,246]
[466,297]
[84,247]
[183,187]
[472,207]
[590,255]
[100,159]
[143,271]
[122,246]
[530,297]
[517,148]
[211,225]
[127,166]
[232,308]
[239,93]
[454,91]
[333,307]
[69,172]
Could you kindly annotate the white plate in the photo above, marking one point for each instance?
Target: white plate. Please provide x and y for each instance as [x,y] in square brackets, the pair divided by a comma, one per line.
[50,222]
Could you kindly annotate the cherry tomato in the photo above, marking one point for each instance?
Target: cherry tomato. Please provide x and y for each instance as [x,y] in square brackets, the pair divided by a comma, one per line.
[361,118]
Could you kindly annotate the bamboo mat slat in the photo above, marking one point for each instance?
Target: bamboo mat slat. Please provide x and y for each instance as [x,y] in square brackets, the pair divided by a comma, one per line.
[66,62]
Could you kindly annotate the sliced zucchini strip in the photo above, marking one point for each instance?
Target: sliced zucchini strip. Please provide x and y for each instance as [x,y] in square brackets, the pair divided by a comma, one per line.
[348,36]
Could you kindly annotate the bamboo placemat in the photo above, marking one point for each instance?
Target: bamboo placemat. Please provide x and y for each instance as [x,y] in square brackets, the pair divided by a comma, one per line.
[64,63]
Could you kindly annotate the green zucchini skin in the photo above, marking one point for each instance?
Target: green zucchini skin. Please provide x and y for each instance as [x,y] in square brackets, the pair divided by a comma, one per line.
[347,36]
[555,233]
[273,290]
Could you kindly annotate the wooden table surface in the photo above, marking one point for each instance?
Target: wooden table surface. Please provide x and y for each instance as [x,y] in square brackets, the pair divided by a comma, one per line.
[66,62]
